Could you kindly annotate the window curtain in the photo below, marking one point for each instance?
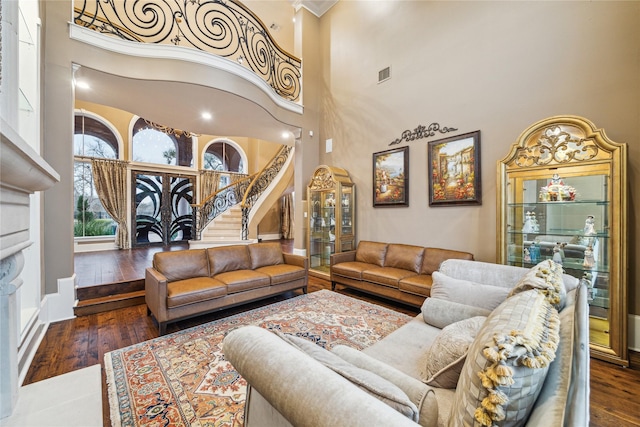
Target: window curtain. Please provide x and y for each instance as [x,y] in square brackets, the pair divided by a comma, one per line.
[286,220]
[235,177]
[110,179]
[209,181]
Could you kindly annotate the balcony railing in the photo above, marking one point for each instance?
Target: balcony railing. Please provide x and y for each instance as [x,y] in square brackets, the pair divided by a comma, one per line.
[222,27]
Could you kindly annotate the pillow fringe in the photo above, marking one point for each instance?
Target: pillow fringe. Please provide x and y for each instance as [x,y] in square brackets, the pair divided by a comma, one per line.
[534,347]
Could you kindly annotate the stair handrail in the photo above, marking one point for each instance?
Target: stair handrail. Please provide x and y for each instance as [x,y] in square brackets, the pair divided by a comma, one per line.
[217,203]
[246,189]
[260,183]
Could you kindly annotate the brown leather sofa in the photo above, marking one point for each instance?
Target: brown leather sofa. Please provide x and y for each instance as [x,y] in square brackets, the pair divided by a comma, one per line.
[188,283]
[391,270]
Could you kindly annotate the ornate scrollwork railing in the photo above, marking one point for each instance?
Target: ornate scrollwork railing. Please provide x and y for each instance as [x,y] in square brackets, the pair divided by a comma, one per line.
[260,183]
[246,190]
[218,203]
[222,27]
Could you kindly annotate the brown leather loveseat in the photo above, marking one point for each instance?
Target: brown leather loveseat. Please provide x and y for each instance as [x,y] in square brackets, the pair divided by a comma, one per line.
[391,270]
[187,283]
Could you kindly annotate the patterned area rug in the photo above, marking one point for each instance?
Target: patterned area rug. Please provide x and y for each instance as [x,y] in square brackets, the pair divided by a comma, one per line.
[183,379]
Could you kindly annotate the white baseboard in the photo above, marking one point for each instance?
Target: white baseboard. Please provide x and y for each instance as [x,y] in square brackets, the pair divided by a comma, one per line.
[59,306]
[634,332]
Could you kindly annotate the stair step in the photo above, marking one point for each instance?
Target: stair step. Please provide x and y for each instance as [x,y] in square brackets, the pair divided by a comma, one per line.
[109,289]
[111,302]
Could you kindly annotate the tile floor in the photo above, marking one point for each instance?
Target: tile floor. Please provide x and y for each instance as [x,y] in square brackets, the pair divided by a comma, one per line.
[69,400]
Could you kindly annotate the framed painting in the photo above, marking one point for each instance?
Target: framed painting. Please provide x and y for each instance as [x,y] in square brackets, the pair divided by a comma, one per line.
[454,170]
[391,178]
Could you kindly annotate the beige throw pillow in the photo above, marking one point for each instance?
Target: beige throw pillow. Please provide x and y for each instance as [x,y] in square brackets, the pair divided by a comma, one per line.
[440,313]
[467,292]
[443,361]
[546,277]
[507,363]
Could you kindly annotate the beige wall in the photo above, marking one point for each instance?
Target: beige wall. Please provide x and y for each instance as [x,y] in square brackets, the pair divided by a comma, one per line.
[496,67]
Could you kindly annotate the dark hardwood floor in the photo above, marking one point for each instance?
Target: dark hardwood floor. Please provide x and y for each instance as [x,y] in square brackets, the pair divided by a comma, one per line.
[81,342]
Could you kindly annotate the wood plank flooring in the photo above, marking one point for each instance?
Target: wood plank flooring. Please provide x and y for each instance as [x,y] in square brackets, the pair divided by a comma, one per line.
[81,342]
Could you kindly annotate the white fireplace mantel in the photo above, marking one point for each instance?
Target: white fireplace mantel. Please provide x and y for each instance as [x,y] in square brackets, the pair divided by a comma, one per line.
[22,173]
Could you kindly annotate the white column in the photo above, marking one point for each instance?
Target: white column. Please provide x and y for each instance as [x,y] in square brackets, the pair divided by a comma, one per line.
[10,268]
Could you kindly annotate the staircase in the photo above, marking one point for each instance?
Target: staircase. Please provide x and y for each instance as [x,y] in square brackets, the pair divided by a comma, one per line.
[226,228]
[220,218]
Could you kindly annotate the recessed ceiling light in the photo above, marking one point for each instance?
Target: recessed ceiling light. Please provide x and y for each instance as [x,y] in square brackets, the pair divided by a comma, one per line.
[206,115]
[81,84]
[286,134]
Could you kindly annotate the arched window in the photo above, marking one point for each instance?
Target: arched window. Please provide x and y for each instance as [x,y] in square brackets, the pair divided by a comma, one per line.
[152,143]
[92,139]
[223,156]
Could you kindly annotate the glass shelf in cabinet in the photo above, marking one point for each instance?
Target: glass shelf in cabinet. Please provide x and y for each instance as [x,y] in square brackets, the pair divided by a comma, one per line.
[574,264]
[567,203]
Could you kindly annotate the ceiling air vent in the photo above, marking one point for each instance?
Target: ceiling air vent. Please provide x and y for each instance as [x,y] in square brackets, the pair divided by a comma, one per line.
[384,74]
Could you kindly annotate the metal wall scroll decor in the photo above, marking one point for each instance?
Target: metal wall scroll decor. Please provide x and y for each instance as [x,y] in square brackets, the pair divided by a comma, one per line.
[422,132]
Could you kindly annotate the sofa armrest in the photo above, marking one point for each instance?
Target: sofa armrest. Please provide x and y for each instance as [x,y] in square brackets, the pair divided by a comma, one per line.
[301,388]
[296,260]
[339,257]
[155,293]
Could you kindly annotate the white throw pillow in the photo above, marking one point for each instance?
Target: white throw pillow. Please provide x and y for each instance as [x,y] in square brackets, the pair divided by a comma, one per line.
[467,292]
[442,363]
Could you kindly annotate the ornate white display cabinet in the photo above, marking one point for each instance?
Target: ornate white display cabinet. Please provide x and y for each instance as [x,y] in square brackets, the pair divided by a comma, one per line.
[331,199]
[562,195]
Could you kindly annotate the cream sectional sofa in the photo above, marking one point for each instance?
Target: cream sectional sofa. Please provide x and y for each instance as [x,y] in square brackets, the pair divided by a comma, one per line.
[188,283]
[391,270]
[526,361]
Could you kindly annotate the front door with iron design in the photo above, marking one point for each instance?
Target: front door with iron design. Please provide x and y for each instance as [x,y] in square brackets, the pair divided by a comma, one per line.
[161,208]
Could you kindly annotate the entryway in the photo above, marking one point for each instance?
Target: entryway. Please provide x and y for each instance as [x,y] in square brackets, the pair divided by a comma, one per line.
[161,208]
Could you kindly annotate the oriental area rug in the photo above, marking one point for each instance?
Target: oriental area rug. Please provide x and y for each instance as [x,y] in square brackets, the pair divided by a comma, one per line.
[183,379]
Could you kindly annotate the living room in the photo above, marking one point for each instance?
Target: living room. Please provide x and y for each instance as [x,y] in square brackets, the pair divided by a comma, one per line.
[496,67]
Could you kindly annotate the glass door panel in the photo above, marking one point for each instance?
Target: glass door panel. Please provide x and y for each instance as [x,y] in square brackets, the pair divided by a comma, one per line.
[162,211]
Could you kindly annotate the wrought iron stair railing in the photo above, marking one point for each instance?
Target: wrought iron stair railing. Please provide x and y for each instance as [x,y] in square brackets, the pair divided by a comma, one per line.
[260,184]
[222,27]
[246,191]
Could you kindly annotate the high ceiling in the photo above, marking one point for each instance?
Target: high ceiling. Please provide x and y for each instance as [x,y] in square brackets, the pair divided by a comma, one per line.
[180,105]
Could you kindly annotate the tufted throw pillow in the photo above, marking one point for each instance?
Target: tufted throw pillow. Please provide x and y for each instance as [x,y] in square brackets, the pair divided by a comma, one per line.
[547,278]
[373,384]
[507,363]
[467,292]
[443,361]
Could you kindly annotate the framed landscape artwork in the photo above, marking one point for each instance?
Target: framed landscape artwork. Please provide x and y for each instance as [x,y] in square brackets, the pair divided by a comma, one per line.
[454,170]
[391,178]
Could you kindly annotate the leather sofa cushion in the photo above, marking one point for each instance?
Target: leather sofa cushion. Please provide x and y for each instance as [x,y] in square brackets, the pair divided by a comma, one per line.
[351,269]
[282,273]
[197,289]
[243,280]
[407,257]
[419,284]
[268,253]
[181,265]
[371,252]
[433,257]
[228,258]
[387,276]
